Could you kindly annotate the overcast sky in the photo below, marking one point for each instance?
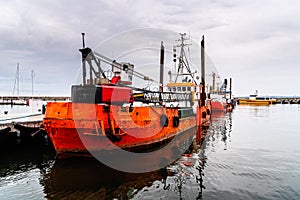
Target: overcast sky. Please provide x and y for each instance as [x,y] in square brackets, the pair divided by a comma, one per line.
[257,43]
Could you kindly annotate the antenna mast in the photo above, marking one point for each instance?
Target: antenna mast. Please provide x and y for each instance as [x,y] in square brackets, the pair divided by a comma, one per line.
[182,57]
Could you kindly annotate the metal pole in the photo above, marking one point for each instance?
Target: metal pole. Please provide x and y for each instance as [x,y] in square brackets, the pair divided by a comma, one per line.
[203,94]
[83,43]
[161,74]
[83,62]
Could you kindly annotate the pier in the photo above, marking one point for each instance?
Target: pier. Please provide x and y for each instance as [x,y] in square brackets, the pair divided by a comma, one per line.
[30,120]
[288,100]
[279,99]
[23,100]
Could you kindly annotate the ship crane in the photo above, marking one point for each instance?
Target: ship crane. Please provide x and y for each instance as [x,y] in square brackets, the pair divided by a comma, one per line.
[147,96]
[89,57]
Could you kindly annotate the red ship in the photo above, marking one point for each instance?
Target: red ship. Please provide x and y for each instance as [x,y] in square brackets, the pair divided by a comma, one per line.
[108,113]
[218,96]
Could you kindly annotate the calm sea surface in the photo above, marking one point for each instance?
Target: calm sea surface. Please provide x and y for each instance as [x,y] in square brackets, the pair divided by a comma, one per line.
[252,153]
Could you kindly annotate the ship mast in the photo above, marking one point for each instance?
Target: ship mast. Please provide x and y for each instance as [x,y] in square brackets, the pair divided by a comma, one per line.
[183,62]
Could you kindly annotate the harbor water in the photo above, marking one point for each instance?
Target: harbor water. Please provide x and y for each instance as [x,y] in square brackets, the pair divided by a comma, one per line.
[251,153]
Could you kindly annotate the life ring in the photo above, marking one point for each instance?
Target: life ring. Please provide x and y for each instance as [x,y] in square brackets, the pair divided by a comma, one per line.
[175,121]
[164,121]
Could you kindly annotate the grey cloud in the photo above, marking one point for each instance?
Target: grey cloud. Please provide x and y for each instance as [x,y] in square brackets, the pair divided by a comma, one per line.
[243,37]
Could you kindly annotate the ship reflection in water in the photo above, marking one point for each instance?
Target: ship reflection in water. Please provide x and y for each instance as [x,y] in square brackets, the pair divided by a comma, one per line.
[231,163]
[73,178]
[77,177]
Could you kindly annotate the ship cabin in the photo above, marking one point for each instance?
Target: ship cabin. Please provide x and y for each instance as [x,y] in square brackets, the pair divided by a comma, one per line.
[183,87]
[101,90]
[185,92]
[123,72]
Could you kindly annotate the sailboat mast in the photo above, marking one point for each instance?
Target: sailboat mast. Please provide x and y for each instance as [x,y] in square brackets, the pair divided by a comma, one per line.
[16,84]
[18,79]
[32,76]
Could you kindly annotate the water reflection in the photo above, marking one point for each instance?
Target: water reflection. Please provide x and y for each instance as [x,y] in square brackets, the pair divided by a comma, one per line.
[199,178]
[187,181]
[220,130]
[76,178]
[20,171]
[82,176]
[234,161]
[20,159]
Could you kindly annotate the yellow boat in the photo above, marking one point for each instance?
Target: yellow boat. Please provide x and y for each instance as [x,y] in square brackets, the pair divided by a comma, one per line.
[254,100]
